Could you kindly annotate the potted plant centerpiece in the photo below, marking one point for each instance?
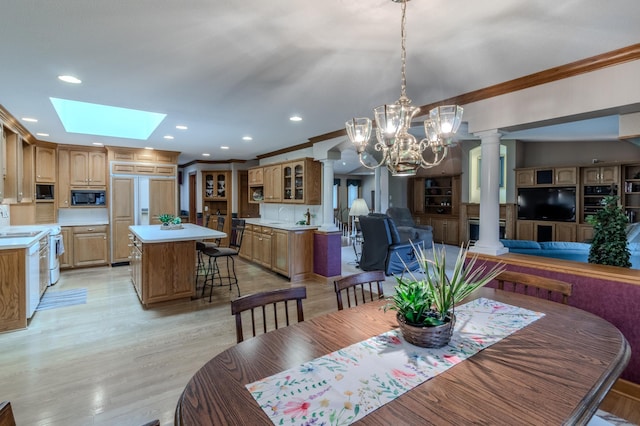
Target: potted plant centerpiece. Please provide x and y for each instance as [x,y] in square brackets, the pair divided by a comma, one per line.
[425,305]
[166,219]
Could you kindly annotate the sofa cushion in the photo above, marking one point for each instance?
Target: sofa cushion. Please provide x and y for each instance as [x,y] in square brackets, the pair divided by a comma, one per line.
[633,233]
[520,244]
[564,245]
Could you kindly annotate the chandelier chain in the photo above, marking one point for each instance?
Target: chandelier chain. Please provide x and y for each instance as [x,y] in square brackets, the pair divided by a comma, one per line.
[403,37]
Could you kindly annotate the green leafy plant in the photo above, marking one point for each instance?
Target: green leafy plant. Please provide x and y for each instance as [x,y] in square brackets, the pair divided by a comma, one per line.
[430,300]
[609,245]
[166,218]
[176,220]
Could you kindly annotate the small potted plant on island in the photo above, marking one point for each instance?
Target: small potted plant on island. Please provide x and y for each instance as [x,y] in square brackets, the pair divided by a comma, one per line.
[167,220]
[426,306]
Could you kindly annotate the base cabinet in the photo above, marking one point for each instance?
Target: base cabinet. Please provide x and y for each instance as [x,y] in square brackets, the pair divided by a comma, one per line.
[163,271]
[546,231]
[84,246]
[445,230]
[13,289]
[289,253]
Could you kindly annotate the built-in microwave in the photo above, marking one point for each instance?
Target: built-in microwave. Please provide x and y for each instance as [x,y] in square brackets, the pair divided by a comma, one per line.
[87,197]
[44,192]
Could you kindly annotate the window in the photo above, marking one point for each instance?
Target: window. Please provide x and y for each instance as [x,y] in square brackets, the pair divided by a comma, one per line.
[353,190]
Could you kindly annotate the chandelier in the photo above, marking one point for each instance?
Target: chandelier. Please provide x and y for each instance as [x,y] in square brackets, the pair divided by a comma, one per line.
[401,152]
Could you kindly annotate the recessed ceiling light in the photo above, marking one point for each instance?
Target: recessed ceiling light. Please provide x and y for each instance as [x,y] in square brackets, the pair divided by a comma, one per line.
[247,138]
[224,147]
[168,137]
[97,144]
[180,127]
[149,148]
[69,79]
[30,120]
[295,118]
[205,154]
[344,163]
[42,134]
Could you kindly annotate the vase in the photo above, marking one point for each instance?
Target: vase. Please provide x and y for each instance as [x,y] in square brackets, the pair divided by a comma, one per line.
[427,337]
[165,226]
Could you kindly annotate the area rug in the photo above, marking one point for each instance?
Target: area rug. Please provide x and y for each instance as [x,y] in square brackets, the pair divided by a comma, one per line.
[59,299]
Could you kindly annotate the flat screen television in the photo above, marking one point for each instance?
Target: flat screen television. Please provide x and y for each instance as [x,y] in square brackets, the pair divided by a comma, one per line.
[550,203]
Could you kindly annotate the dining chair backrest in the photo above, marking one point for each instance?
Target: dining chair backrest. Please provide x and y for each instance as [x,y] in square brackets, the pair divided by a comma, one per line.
[258,302]
[237,232]
[544,287]
[356,284]
[6,414]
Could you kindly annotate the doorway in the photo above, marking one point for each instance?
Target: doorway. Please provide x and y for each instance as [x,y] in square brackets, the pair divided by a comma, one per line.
[192,197]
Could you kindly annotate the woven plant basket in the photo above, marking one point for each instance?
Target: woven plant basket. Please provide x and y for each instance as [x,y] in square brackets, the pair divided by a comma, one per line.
[427,337]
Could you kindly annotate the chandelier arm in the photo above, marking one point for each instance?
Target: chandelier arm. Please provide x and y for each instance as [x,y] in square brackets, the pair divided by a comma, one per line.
[439,156]
[382,161]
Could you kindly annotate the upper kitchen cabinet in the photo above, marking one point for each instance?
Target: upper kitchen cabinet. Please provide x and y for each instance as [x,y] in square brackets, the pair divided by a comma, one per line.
[301,182]
[18,168]
[216,185]
[298,181]
[45,164]
[87,168]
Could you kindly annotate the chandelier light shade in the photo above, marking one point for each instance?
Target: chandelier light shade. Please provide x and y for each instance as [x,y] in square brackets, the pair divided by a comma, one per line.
[401,152]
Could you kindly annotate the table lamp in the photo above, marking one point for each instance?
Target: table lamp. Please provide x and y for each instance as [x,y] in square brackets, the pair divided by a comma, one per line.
[358,208]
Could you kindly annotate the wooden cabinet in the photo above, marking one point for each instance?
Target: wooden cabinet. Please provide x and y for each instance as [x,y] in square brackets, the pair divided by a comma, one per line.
[273,183]
[262,245]
[87,168]
[144,169]
[162,271]
[600,175]
[631,192]
[436,196]
[301,182]
[13,289]
[66,258]
[122,216]
[256,176]
[19,182]
[90,245]
[546,231]
[561,176]
[45,164]
[216,185]
[141,155]
[445,230]
[287,252]
[63,195]
[584,233]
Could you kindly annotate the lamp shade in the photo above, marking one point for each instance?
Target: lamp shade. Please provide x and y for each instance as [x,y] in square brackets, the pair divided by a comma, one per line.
[359,208]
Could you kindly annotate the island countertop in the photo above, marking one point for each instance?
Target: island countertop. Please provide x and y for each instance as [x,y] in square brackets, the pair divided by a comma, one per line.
[153,233]
[280,224]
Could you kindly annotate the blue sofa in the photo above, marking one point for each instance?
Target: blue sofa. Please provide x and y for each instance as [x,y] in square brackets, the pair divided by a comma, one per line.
[578,252]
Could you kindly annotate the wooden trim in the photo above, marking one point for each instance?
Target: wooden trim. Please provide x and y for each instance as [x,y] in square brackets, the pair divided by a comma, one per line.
[11,122]
[232,160]
[593,63]
[285,150]
[627,389]
[604,272]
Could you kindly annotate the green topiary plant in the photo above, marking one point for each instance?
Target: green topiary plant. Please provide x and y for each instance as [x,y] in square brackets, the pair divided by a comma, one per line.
[609,245]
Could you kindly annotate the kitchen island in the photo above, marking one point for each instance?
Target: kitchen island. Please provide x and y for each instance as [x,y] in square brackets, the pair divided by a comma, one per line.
[163,262]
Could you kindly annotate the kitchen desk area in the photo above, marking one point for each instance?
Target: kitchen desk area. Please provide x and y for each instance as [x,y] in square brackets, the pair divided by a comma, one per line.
[163,262]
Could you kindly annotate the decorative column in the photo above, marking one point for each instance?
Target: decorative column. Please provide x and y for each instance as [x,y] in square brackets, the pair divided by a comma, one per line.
[489,238]
[377,188]
[327,252]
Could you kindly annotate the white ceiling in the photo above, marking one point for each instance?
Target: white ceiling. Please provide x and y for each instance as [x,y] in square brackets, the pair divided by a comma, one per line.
[227,69]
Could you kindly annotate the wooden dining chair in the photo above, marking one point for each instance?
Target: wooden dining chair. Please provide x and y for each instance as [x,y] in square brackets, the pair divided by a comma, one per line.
[259,302]
[544,287]
[356,284]
[6,414]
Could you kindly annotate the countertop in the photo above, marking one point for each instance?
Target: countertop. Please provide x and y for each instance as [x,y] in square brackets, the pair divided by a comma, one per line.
[189,231]
[279,224]
[8,241]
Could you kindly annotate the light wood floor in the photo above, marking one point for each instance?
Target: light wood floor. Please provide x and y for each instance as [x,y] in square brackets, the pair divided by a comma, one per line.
[111,362]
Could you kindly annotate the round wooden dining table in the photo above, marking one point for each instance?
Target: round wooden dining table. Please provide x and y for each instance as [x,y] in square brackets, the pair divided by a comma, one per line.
[555,371]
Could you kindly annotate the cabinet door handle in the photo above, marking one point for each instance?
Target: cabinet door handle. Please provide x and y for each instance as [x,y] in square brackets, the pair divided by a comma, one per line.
[90,229]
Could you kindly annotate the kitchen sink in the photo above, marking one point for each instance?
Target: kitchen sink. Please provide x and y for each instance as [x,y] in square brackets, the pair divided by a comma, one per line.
[23,234]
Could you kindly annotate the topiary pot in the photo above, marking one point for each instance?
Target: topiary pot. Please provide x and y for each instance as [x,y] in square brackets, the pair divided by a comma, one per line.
[427,337]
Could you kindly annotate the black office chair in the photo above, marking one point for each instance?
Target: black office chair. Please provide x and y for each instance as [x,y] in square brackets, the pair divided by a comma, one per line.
[214,253]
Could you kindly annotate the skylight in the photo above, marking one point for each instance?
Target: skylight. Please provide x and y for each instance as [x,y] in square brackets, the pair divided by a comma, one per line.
[103,120]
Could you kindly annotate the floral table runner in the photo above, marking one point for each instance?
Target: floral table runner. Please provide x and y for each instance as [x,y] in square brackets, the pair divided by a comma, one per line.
[346,385]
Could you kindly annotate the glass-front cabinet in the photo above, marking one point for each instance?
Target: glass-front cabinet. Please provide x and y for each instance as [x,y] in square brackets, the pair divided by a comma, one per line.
[294,181]
[215,185]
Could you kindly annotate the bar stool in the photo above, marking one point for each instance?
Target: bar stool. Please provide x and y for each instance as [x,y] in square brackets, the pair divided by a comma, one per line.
[202,268]
[228,253]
